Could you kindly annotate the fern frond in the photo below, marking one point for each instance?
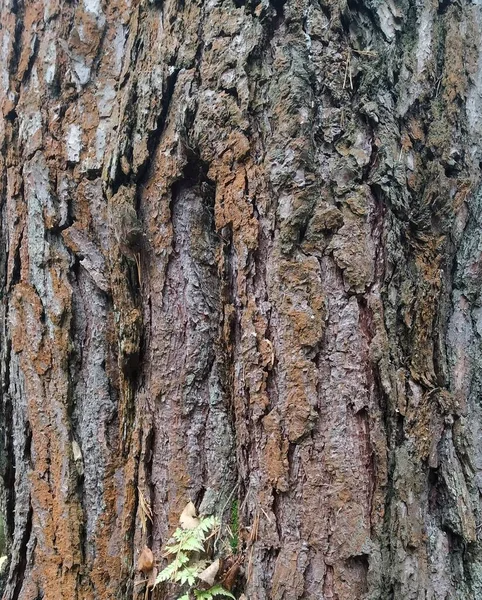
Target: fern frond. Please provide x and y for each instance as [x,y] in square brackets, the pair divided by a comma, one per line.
[184,569]
[170,571]
[216,590]
[187,575]
[190,544]
[181,534]
[208,523]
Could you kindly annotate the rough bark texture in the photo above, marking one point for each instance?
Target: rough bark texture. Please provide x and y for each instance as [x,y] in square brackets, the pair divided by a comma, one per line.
[303,332]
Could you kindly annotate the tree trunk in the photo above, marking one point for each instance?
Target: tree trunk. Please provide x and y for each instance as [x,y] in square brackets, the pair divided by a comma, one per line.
[241,264]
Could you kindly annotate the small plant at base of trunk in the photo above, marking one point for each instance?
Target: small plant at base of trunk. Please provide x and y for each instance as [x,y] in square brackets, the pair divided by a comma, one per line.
[187,567]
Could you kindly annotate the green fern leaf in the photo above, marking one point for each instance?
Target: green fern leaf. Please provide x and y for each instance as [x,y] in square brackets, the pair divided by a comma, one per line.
[172,549]
[216,590]
[208,523]
[203,595]
[183,569]
[163,576]
[189,541]
[170,571]
[192,545]
[206,526]
[181,534]
[187,575]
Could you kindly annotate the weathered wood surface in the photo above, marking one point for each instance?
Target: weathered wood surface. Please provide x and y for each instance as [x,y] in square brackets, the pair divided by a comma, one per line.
[305,324]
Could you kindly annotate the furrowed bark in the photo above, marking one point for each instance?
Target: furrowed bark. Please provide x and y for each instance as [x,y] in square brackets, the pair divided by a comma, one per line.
[300,341]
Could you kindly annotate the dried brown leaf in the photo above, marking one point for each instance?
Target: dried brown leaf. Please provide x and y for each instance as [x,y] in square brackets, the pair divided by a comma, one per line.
[188,518]
[209,574]
[145,562]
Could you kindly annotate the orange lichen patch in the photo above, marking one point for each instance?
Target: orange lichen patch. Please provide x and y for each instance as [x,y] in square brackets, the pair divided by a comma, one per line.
[179,489]
[238,146]
[14,187]
[415,129]
[27,333]
[88,194]
[30,21]
[156,197]
[84,38]
[299,415]
[232,204]
[89,112]
[69,239]
[114,558]
[60,309]
[405,142]
[300,305]
[301,301]
[57,516]
[88,122]
[302,324]
[267,353]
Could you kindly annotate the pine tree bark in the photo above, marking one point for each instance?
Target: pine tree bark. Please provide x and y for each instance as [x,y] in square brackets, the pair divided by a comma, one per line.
[241,264]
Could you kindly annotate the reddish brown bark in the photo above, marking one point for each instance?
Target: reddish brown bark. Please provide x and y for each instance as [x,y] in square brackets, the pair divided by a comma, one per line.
[300,342]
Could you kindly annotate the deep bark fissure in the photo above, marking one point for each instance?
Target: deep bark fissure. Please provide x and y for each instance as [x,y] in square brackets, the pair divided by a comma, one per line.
[18,572]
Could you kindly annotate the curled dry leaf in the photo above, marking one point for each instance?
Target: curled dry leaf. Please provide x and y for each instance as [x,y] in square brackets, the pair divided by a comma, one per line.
[145,562]
[209,574]
[188,518]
